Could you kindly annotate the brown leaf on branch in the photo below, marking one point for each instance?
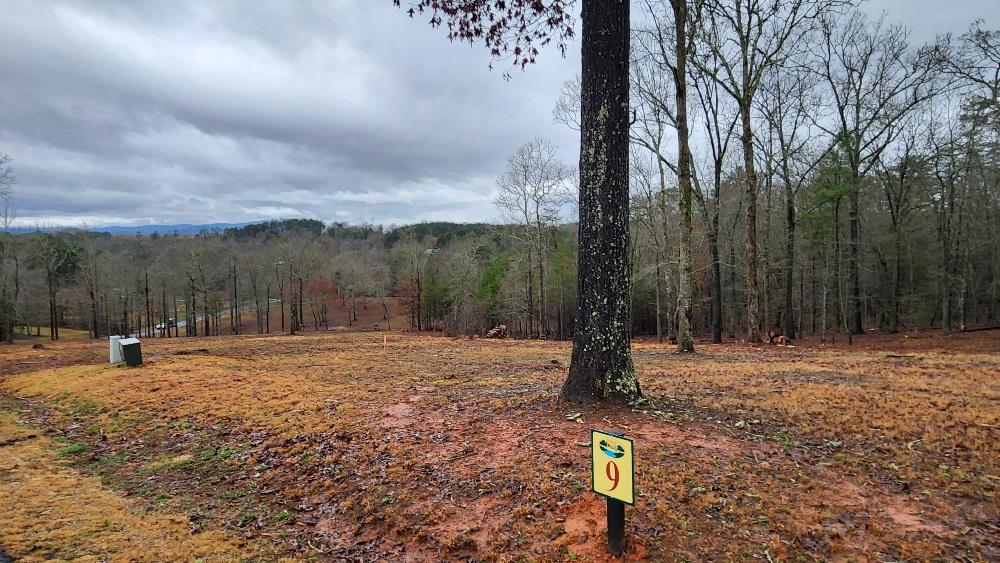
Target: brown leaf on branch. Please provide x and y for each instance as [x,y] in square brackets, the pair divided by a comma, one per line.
[512,29]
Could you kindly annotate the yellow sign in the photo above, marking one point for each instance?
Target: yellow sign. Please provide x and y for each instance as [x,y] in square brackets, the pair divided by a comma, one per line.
[612,466]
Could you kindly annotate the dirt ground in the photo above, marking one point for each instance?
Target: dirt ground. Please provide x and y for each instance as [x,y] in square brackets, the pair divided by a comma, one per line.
[345,446]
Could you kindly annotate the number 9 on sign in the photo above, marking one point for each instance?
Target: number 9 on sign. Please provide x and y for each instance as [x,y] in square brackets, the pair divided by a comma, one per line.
[612,466]
[612,471]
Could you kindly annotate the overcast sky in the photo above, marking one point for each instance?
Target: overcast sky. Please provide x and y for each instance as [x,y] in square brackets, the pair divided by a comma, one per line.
[128,113]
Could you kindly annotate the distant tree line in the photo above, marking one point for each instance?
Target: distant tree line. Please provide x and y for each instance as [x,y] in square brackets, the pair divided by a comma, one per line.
[277,276]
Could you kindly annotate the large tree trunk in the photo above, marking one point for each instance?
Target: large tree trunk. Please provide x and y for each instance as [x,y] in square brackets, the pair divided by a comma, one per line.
[789,257]
[838,294]
[659,289]
[542,324]
[715,278]
[601,366]
[685,338]
[664,272]
[753,304]
[812,289]
[945,284]
[765,252]
[823,301]
[852,260]
[531,293]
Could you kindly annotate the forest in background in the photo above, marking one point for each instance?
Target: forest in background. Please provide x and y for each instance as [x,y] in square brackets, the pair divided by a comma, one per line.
[843,181]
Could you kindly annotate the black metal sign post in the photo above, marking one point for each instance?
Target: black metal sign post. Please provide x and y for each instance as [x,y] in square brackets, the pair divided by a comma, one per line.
[616,526]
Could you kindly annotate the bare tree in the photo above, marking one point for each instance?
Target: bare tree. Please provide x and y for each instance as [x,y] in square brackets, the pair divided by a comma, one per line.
[976,63]
[381,289]
[257,267]
[952,142]
[7,177]
[567,108]
[655,112]
[92,275]
[10,286]
[531,193]
[59,259]
[746,39]
[650,212]
[788,101]
[899,173]
[873,80]
[410,257]
[719,122]
[974,67]
[683,28]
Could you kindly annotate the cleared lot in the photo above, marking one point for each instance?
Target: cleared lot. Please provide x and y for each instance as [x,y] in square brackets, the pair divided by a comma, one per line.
[334,446]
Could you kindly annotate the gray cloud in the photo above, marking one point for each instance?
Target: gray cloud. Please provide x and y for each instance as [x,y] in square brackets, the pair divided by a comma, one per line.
[162,112]
[190,112]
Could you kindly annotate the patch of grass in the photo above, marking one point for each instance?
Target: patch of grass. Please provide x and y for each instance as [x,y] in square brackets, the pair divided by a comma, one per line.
[64,333]
[245,517]
[230,494]
[223,453]
[84,406]
[169,463]
[145,489]
[71,449]
[54,511]
[120,423]
[117,458]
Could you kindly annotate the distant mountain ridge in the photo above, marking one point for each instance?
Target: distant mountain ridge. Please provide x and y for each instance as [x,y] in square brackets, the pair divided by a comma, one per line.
[443,230]
[183,228]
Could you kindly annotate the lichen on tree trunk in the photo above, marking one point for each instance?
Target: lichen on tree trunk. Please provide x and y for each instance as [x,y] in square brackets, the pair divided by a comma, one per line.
[750,178]
[601,368]
[685,337]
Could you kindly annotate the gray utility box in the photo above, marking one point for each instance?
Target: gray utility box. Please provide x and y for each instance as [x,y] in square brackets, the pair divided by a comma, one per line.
[131,352]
